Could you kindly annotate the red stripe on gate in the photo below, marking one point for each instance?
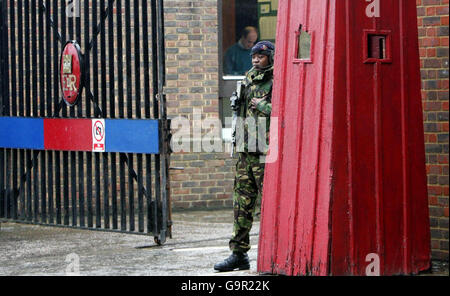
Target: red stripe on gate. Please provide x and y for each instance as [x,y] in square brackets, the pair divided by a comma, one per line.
[68,134]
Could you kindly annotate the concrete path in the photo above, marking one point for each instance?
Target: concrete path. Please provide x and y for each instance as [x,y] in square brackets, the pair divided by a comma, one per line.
[200,239]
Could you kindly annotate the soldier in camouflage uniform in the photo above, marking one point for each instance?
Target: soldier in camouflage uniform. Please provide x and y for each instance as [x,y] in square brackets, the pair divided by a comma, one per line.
[255,109]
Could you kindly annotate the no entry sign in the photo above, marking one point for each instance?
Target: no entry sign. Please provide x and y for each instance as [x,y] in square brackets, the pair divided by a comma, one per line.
[98,135]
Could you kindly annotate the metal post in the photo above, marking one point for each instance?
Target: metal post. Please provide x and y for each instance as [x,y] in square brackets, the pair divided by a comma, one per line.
[3,57]
[155,84]
[3,97]
[165,128]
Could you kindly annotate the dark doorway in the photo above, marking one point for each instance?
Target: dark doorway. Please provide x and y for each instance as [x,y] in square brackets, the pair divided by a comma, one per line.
[246,15]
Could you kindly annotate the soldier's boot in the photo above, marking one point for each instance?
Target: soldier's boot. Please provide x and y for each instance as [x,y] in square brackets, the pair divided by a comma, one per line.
[237,260]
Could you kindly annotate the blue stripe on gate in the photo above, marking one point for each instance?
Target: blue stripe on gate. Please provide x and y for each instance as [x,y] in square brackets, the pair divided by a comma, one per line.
[22,133]
[121,135]
[133,136]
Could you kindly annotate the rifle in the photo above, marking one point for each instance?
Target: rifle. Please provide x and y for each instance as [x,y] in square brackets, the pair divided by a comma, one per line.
[235,102]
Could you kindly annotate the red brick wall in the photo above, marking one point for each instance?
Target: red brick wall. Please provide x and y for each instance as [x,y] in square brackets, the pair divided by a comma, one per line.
[192,41]
[433,42]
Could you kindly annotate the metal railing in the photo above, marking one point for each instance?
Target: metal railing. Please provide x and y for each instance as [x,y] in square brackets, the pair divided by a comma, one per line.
[124,78]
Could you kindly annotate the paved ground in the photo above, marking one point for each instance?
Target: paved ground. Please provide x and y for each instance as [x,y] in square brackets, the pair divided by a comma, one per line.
[200,239]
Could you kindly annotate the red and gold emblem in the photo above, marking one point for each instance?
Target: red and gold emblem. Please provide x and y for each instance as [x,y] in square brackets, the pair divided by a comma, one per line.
[71,73]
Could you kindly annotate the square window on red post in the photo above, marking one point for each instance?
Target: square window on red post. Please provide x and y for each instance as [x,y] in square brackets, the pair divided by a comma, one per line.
[377,47]
[303,46]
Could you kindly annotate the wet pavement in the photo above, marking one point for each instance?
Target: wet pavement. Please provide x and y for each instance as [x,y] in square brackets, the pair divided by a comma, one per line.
[200,239]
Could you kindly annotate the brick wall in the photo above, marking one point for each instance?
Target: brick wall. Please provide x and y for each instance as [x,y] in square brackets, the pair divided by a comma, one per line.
[193,65]
[433,42]
[193,86]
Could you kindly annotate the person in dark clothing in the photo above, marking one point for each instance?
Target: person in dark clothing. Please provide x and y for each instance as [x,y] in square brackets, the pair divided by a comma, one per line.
[238,59]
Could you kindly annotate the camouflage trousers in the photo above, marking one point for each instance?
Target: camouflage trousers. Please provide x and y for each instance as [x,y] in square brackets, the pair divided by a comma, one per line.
[248,185]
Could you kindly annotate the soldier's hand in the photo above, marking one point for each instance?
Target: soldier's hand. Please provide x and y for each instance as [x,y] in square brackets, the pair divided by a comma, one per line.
[255,101]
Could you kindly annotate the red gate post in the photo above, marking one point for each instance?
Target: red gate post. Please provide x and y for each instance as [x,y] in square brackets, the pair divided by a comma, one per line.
[347,194]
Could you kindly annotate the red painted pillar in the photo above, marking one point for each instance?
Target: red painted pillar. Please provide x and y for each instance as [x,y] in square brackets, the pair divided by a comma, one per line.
[347,193]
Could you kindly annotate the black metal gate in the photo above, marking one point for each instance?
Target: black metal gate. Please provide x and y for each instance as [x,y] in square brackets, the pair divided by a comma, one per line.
[122,43]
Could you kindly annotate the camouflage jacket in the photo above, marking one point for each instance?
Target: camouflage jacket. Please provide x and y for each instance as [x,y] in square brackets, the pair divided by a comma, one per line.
[256,84]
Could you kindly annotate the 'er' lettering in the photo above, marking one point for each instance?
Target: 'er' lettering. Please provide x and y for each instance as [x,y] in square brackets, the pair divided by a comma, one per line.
[373,9]
[70,82]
